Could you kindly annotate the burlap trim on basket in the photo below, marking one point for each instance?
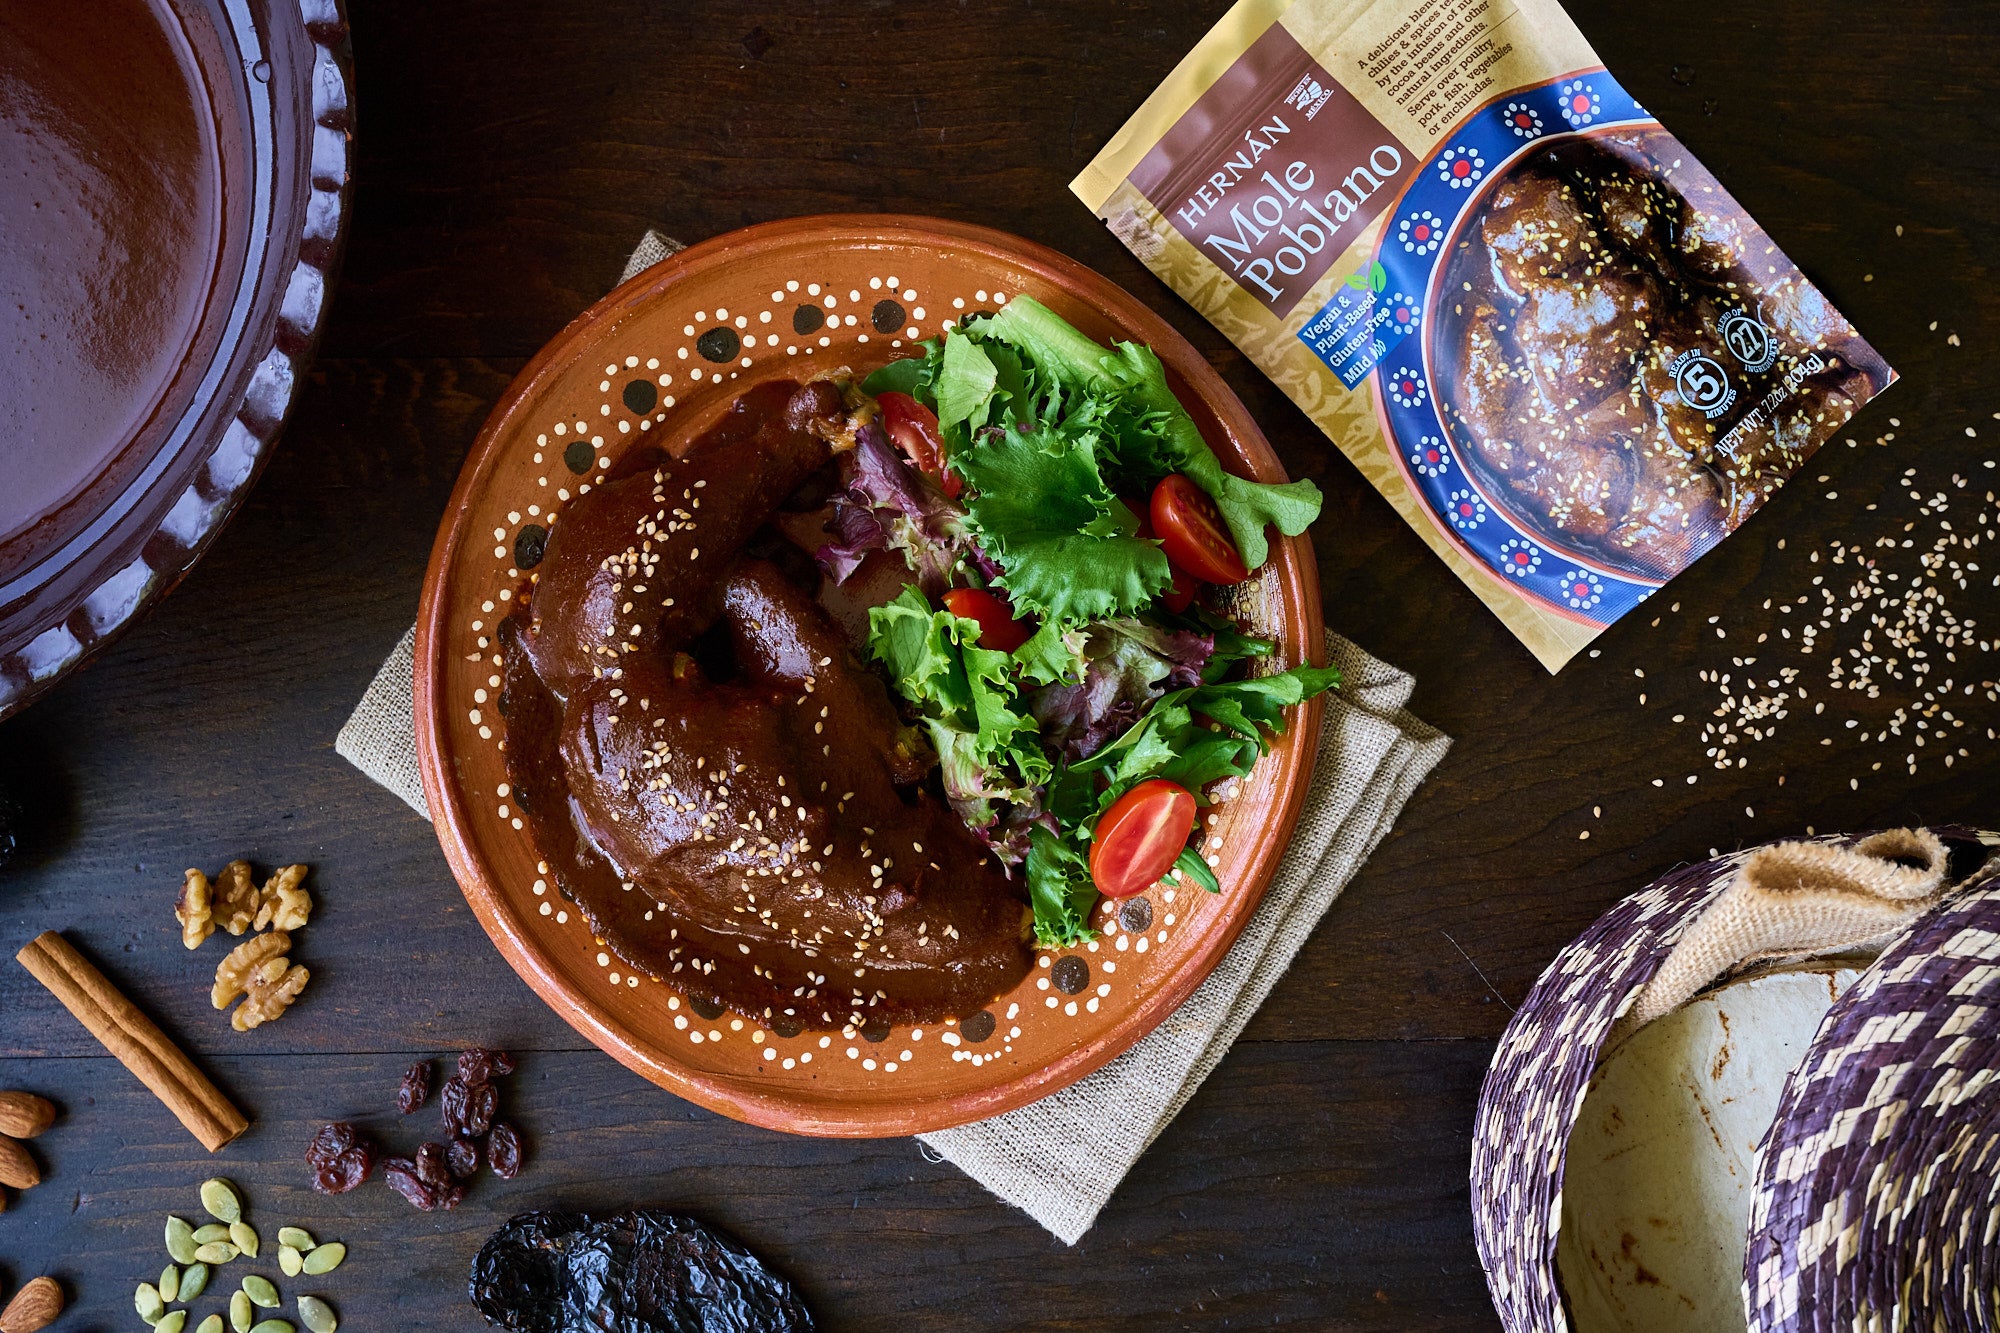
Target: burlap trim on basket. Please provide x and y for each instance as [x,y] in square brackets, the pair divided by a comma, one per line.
[1799,900]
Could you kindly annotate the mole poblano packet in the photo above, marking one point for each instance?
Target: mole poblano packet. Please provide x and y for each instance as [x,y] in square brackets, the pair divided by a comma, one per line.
[1541,328]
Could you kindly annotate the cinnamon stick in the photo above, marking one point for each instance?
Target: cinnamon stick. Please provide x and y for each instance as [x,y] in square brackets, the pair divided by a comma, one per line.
[138,1043]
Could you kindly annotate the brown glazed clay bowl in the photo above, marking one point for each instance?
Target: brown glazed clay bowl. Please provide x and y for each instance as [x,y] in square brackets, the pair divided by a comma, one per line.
[665,354]
[176,185]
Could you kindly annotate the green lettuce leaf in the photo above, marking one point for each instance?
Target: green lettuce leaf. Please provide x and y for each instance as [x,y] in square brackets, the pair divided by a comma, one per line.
[912,375]
[1172,741]
[966,382]
[1161,436]
[1060,890]
[996,722]
[1189,865]
[916,645]
[988,746]
[1053,654]
[1066,547]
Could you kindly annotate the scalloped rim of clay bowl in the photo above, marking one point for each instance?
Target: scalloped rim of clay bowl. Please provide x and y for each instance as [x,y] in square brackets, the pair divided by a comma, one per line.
[1045,1037]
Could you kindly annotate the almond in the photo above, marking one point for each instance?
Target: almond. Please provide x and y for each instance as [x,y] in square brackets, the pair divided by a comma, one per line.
[34,1307]
[16,1167]
[23,1115]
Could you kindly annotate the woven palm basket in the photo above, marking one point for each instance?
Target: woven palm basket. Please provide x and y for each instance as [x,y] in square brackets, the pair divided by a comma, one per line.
[1872,1191]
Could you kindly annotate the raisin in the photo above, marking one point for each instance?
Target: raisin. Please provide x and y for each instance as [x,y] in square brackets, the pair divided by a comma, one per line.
[462,1158]
[430,1162]
[330,1142]
[346,1174]
[451,1105]
[478,1065]
[467,1109]
[341,1157]
[416,1089]
[503,1151]
[480,1109]
[402,1176]
[426,1182]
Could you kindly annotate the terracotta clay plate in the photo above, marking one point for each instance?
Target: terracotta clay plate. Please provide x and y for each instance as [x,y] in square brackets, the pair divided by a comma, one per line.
[176,176]
[661,358]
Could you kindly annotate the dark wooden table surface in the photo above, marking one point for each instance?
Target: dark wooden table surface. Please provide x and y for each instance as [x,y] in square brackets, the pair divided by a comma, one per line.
[509,157]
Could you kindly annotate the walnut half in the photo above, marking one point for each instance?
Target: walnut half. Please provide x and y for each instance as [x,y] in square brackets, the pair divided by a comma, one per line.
[258,969]
[195,909]
[235,898]
[285,904]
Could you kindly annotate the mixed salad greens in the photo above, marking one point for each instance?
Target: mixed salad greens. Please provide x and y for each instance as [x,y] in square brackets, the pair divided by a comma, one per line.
[1061,512]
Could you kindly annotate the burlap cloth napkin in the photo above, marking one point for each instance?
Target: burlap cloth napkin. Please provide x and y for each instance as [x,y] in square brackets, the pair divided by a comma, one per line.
[1053,1159]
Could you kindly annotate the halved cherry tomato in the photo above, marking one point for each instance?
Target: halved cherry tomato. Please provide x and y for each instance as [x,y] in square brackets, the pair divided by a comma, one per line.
[998,628]
[1139,838]
[1181,596]
[914,428]
[1192,533]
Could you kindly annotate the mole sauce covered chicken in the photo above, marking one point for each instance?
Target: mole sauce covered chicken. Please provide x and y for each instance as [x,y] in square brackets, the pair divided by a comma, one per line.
[717,782]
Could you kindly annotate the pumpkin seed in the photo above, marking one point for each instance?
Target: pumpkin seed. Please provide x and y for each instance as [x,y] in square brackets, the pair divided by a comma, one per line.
[148,1302]
[240,1312]
[289,1260]
[219,1197]
[261,1290]
[317,1315]
[170,1284]
[324,1258]
[180,1240]
[173,1322]
[194,1280]
[274,1326]
[210,1231]
[297,1237]
[215,1252]
[244,1237]
[212,1324]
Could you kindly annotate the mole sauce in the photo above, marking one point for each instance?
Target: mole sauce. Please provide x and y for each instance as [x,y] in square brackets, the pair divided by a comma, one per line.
[110,221]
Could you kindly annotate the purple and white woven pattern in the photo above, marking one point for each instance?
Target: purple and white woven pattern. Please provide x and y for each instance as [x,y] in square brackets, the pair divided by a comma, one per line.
[1877,1198]
[1535,1087]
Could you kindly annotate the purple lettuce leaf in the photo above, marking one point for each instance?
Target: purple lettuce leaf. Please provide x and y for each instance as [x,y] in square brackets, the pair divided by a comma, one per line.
[888,505]
[1127,664]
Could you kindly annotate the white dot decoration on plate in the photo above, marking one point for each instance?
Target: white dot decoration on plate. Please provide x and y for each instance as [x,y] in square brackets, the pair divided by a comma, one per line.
[566,458]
